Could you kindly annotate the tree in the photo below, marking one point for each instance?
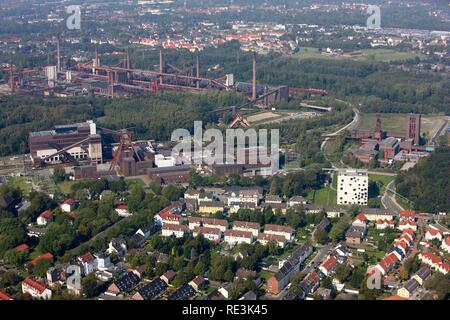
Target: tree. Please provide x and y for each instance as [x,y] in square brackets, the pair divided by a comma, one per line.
[41,267]
[321,236]
[89,285]
[59,174]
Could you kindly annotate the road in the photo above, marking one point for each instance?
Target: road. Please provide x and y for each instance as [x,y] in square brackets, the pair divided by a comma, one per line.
[350,126]
[388,199]
[317,260]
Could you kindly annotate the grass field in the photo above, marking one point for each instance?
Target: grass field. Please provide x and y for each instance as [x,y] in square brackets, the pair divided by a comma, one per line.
[384,55]
[65,186]
[382,180]
[397,122]
[324,196]
[20,183]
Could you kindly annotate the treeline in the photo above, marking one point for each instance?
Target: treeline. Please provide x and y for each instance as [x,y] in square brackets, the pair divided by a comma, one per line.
[427,184]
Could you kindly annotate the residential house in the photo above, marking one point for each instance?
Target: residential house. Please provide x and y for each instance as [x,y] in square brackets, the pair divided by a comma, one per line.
[150,290]
[382,224]
[265,238]
[124,284]
[211,207]
[311,283]
[285,231]
[36,289]
[244,195]
[177,230]
[198,283]
[446,245]
[341,252]
[355,235]
[186,292]
[212,234]
[233,237]
[169,215]
[433,233]
[249,295]
[5,297]
[276,207]
[360,221]
[117,246]
[407,215]
[374,214]
[280,279]
[44,218]
[122,210]
[407,224]
[296,201]
[422,275]
[388,263]
[408,288]
[328,267]
[247,226]
[88,263]
[68,205]
[273,199]
[168,276]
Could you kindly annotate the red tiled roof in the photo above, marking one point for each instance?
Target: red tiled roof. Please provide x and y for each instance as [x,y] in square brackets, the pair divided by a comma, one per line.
[175,227]
[246,225]
[278,228]
[269,237]
[22,247]
[407,214]
[47,214]
[395,298]
[45,256]
[434,232]
[238,233]
[198,280]
[122,206]
[206,230]
[4,296]
[447,241]
[87,257]
[34,284]
[69,202]
[329,263]
[360,217]
[432,257]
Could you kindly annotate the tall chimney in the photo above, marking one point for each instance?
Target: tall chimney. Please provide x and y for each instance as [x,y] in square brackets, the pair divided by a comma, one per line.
[161,66]
[254,77]
[58,56]
[197,73]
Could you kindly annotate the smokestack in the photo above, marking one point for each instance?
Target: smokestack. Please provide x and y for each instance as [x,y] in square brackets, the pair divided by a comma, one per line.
[198,72]
[161,66]
[128,59]
[58,56]
[254,77]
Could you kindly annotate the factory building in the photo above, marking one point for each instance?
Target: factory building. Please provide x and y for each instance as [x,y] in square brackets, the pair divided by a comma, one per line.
[79,141]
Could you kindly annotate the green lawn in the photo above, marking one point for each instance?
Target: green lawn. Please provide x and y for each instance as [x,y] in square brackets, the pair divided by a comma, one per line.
[397,122]
[20,183]
[65,186]
[382,180]
[324,196]
[265,274]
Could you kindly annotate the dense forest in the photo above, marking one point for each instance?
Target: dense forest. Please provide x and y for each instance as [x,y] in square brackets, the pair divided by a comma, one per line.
[427,185]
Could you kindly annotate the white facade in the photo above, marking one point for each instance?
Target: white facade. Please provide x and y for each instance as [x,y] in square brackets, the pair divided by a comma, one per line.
[177,231]
[36,292]
[162,162]
[238,237]
[353,186]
